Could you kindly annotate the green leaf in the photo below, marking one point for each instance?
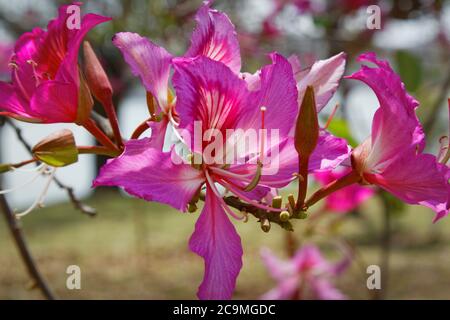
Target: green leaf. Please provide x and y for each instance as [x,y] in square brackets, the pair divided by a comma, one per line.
[339,128]
[410,68]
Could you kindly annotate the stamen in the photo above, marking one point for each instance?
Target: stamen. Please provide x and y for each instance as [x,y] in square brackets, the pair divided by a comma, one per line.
[330,118]
[33,66]
[39,201]
[219,196]
[39,170]
[19,83]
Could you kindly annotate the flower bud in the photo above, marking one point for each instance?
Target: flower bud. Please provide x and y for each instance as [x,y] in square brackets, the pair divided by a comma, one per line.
[277,202]
[57,150]
[307,127]
[284,216]
[96,76]
[265,225]
[85,101]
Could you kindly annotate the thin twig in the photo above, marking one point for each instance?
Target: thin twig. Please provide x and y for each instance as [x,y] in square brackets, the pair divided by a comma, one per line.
[77,203]
[25,253]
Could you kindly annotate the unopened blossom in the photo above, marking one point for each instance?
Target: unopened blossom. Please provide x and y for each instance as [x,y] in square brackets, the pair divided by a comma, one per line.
[46,84]
[393,156]
[345,199]
[307,275]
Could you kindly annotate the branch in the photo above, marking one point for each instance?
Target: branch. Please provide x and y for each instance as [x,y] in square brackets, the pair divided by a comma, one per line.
[77,203]
[25,253]
[261,215]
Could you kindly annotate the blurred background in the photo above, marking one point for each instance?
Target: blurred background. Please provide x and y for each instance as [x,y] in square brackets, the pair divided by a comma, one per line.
[138,250]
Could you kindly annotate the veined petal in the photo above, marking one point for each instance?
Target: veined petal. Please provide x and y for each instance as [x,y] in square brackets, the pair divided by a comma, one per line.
[416,179]
[151,174]
[216,241]
[148,61]
[215,37]
[324,76]
[209,92]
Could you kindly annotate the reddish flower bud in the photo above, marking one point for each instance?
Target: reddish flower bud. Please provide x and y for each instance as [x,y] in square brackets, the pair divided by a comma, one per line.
[96,76]
[307,128]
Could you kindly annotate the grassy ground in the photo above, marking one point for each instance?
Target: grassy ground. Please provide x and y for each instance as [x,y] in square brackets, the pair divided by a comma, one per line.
[137,250]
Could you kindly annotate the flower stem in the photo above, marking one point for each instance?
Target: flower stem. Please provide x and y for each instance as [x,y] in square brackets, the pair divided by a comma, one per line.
[303,163]
[99,150]
[140,129]
[99,135]
[349,179]
[112,116]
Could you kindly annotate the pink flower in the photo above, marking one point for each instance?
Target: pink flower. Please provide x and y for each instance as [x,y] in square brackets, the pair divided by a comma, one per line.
[393,157]
[210,92]
[306,272]
[214,37]
[46,85]
[345,199]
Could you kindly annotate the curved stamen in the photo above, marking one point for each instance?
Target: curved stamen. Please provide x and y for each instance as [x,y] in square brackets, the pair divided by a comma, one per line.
[247,199]
[18,82]
[33,66]
[219,197]
[39,200]
[38,173]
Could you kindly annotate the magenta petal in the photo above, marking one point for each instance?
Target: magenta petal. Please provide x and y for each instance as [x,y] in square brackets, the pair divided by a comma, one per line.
[158,132]
[215,37]
[278,93]
[148,173]
[416,179]
[330,152]
[395,105]
[55,101]
[148,61]
[324,76]
[13,105]
[209,92]
[215,239]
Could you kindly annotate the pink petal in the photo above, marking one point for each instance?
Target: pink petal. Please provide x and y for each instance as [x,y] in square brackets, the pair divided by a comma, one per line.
[158,132]
[285,290]
[278,93]
[278,269]
[55,101]
[324,290]
[324,76]
[215,239]
[209,92]
[148,61]
[14,105]
[148,173]
[396,105]
[416,179]
[215,37]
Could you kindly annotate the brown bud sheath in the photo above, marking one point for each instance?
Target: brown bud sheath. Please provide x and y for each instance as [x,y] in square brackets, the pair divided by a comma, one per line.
[96,76]
[58,149]
[306,138]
